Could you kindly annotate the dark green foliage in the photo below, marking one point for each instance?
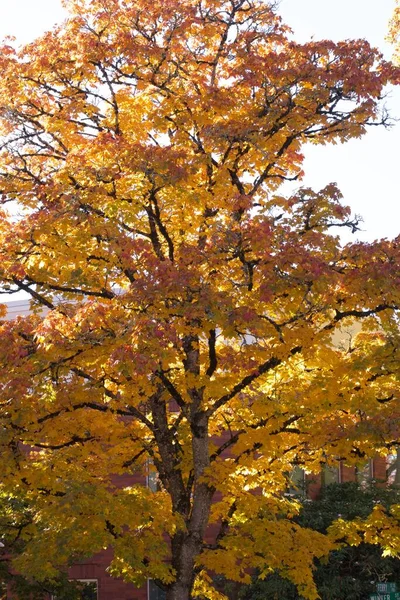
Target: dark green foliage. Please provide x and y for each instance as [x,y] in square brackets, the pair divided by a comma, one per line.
[77,591]
[350,573]
[23,588]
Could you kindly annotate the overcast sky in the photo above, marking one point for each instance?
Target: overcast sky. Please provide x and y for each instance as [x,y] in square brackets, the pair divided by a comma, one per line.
[366,170]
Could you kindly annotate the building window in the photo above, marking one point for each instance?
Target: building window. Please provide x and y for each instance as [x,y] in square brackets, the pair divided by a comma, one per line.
[86,590]
[330,475]
[154,592]
[297,482]
[152,477]
[365,473]
[153,482]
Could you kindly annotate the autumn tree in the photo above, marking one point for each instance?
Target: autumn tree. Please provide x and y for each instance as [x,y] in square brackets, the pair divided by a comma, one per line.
[188,319]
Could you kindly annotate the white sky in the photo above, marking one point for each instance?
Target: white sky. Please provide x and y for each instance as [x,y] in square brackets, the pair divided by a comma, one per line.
[366,169]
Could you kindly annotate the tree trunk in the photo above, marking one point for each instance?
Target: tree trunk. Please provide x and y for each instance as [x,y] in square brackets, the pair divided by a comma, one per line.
[186,545]
[179,592]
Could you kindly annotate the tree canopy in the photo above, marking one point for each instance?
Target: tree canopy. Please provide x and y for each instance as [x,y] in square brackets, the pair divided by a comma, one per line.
[394,30]
[188,318]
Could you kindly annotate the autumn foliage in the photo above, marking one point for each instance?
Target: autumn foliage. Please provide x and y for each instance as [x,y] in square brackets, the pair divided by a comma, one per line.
[394,31]
[188,317]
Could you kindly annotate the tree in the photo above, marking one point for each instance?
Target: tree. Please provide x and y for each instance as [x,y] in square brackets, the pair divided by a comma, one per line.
[351,571]
[183,308]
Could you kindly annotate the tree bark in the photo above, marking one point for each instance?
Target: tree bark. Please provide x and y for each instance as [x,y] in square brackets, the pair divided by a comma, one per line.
[179,592]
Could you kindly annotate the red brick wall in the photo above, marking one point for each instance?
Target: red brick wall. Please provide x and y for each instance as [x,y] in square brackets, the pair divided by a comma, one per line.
[347,473]
[109,588]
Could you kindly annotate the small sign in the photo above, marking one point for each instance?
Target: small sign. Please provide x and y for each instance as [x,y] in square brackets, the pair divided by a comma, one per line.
[386,588]
[383,596]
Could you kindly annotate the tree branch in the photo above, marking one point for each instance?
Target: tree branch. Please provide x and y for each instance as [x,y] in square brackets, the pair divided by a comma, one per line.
[268,365]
